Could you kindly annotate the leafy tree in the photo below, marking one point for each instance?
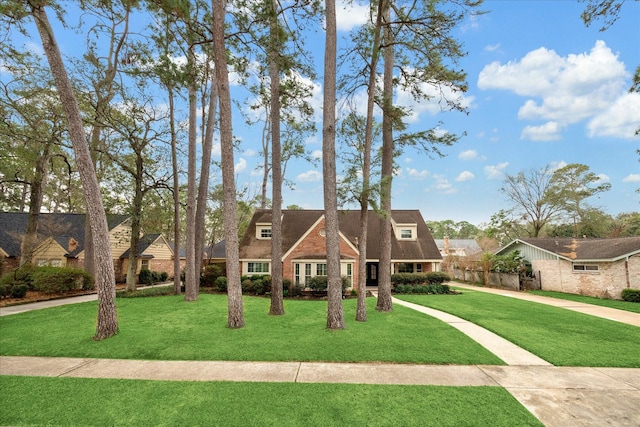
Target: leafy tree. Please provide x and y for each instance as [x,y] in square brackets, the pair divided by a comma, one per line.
[570,186]
[533,197]
[453,230]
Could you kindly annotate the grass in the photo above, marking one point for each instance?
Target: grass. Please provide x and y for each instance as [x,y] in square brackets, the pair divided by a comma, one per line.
[611,303]
[167,328]
[75,402]
[562,337]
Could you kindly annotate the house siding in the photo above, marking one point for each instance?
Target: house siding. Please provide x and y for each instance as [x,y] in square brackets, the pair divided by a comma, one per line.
[607,282]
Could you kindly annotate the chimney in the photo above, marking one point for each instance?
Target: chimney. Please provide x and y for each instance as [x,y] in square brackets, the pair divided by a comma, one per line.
[446,245]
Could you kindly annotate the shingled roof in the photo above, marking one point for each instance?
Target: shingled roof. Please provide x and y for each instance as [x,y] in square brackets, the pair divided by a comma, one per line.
[62,227]
[295,224]
[587,249]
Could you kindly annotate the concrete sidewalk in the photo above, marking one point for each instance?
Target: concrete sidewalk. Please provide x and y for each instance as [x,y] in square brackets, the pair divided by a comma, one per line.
[557,396]
[590,309]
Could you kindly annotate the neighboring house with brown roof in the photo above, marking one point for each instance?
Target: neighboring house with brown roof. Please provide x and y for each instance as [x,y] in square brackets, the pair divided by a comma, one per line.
[593,267]
[304,245]
[61,242]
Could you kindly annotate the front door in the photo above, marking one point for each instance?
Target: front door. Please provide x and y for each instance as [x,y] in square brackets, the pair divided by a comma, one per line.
[372,274]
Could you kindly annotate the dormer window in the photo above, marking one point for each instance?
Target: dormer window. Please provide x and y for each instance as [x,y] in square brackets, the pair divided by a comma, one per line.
[406,231]
[263,231]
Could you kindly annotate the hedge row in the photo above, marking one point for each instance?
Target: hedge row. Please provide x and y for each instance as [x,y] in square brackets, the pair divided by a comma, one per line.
[148,277]
[430,278]
[50,280]
[434,289]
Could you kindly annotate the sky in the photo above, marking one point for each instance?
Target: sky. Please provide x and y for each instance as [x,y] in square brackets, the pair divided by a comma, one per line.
[544,90]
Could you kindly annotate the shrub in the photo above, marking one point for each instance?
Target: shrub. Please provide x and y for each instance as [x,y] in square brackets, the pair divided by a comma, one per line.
[319,283]
[430,278]
[164,276]
[247,285]
[55,280]
[631,295]
[22,275]
[210,275]
[221,284]
[434,289]
[19,291]
[145,277]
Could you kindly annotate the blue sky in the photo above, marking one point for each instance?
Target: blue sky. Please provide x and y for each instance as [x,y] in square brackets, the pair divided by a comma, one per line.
[543,90]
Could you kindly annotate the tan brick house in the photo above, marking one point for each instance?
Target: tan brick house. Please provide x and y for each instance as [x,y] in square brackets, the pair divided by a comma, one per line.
[61,243]
[593,267]
[304,245]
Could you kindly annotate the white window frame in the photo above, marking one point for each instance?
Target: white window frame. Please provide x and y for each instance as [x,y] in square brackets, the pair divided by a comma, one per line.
[263,231]
[251,265]
[586,268]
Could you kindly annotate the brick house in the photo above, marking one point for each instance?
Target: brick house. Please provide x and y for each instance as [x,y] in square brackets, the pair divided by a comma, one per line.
[61,243]
[304,245]
[593,267]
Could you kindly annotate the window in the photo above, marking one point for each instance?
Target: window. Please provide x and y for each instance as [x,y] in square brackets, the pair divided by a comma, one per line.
[406,234]
[257,267]
[265,233]
[55,263]
[296,268]
[418,268]
[321,269]
[405,267]
[585,267]
[350,274]
[145,264]
[42,262]
[307,273]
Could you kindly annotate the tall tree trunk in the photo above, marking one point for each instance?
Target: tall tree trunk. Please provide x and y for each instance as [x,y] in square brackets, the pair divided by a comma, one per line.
[176,197]
[105,276]
[234,289]
[203,187]
[335,312]
[191,275]
[384,277]
[30,240]
[277,304]
[361,308]
[266,140]
[136,214]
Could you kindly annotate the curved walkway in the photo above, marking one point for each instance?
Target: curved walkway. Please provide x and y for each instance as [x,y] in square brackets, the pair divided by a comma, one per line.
[557,396]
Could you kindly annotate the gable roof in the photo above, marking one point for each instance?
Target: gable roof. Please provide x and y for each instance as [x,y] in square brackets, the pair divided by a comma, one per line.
[469,245]
[582,249]
[66,229]
[144,243]
[295,223]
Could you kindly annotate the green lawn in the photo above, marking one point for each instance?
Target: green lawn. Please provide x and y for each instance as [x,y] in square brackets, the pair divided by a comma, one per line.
[560,336]
[167,328]
[93,402]
[612,303]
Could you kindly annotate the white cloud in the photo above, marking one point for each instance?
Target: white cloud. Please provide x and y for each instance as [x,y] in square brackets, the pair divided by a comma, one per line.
[250,152]
[495,171]
[557,165]
[549,131]
[443,185]
[492,47]
[564,90]
[465,176]
[309,176]
[316,154]
[602,178]
[437,98]
[633,177]
[620,120]
[351,14]
[240,166]
[468,155]
[414,173]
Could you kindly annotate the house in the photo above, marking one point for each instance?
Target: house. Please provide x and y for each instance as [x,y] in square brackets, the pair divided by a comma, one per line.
[593,267]
[304,246]
[61,242]
[461,248]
